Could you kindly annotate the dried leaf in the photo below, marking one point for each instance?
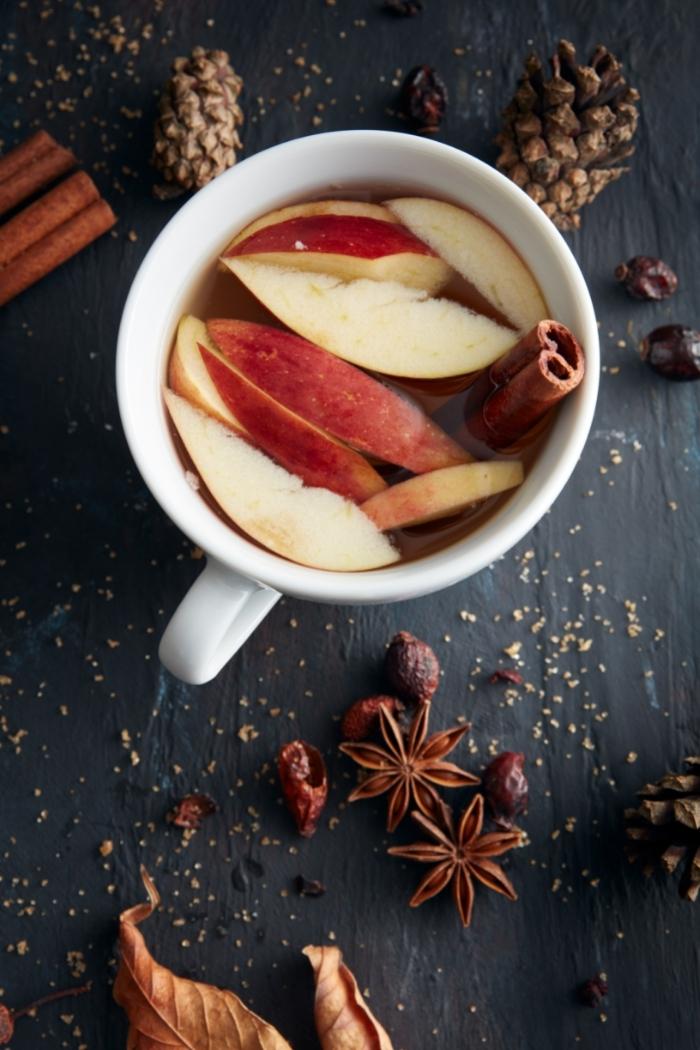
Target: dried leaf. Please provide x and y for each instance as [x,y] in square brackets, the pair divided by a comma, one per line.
[343,1019]
[171,1013]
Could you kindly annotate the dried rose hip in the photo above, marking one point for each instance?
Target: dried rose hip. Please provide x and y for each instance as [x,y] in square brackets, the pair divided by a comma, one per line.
[360,719]
[647,278]
[309,887]
[191,810]
[7,1025]
[673,350]
[505,786]
[412,667]
[423,99]
[594,991]
[506,674]
[304,783]
[403,8]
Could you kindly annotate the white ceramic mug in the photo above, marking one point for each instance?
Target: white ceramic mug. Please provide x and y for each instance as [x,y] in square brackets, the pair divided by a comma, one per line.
[241,582]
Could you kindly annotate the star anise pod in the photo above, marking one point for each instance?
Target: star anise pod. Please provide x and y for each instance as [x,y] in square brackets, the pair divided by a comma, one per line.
[409,768]
[459,855]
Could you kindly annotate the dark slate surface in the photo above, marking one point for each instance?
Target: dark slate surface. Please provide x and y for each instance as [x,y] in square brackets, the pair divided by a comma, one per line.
[97,741]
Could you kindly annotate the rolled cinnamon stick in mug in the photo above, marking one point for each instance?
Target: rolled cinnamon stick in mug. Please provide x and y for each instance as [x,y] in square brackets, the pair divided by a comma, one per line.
[44,215]
[519,388]
[55,248]
[30,166]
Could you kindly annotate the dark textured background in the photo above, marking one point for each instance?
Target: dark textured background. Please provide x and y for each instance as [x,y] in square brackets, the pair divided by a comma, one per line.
[96,741]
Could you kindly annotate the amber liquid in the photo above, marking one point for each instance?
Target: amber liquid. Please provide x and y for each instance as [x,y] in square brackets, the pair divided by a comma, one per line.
[220,294]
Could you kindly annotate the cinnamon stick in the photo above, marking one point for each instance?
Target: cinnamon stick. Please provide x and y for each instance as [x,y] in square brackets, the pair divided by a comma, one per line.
[44,215]
[30,166]
[519,388]
[21,156]
[55,248]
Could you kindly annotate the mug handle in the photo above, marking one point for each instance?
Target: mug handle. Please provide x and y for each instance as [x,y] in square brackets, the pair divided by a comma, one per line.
[216,616]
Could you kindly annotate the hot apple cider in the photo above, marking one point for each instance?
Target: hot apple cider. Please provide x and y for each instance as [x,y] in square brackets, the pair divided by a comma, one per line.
[362,383]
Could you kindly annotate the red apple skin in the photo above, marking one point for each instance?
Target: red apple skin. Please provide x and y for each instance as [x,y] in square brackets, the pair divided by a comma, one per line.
[354,235]
[441,493]
[297,445]
[336,396]
[345,245]
[326,207]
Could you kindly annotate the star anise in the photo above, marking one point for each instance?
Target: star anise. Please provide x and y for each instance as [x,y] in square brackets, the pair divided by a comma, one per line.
[459,855]
[408,768]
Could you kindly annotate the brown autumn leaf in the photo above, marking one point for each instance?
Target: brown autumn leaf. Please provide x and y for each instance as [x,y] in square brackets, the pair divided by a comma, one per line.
[166,1012]
[343,1019]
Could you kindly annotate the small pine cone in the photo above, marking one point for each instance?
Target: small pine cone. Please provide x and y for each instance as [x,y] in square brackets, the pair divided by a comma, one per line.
[195,134]
[563,138]
[665,827]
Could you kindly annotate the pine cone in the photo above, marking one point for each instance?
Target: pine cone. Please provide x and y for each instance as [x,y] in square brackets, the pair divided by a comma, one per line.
[195,134]
[563,138]
[665,828]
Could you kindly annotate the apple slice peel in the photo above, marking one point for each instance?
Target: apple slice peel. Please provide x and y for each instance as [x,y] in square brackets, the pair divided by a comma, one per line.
[325,207]
[441,493]
[346,246]
[200,373]
[299,446]
[311,526]
[348,239]
[188,375]
[335,396]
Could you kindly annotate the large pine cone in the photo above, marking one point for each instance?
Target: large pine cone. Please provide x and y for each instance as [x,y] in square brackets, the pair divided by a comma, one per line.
[195,134]
[563,138]
[665,828]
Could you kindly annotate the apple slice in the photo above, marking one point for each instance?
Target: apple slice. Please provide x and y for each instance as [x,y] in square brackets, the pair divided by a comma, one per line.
[335,396]
[199,373]
[479,253]
[380,325]
[299,446]
[308,525]
[327,207]
[441,493]
[188,375]
[323,238]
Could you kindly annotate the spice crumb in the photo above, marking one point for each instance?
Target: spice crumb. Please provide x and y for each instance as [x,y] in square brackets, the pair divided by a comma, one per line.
[247,733]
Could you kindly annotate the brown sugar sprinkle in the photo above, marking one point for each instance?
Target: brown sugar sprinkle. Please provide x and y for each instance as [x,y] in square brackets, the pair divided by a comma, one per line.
[247,733]
[76,963]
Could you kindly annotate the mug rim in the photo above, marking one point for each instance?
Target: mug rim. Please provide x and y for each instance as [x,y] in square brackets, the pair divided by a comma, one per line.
[404,579]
